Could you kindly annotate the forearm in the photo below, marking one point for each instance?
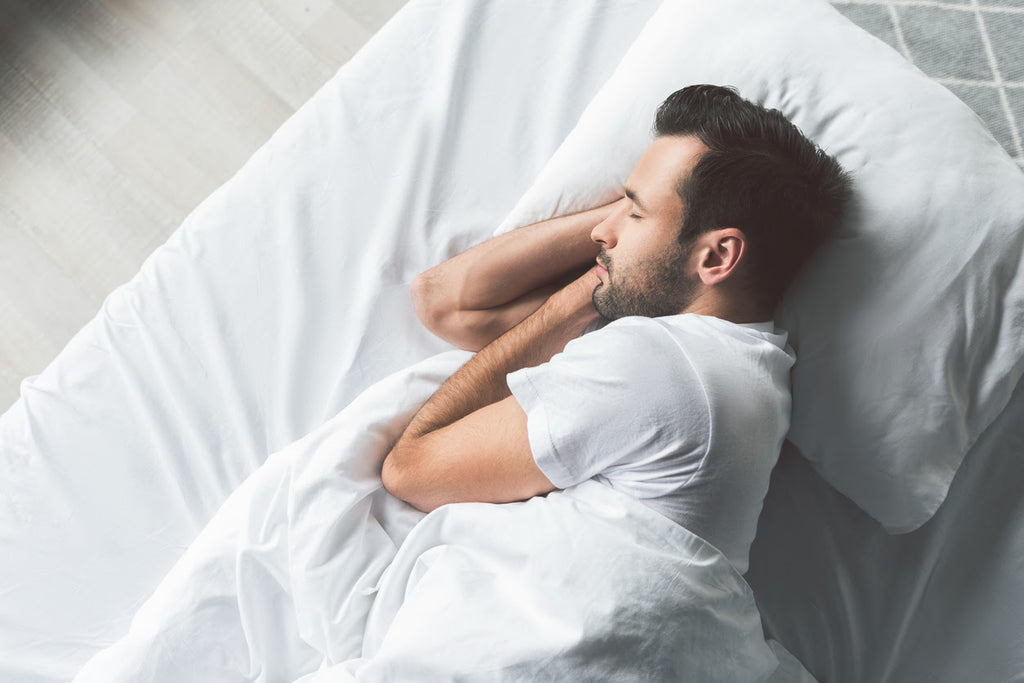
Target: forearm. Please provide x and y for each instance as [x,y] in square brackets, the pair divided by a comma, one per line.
[469,441]
[517,262]
[481,381]
[479,294]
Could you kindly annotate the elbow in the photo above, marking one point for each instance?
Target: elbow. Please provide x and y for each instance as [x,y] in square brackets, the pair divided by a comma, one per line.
[426,295]
[401,483]
[441,313]
[391,475]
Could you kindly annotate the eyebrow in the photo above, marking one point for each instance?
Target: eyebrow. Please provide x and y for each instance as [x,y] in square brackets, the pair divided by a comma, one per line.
[636,200]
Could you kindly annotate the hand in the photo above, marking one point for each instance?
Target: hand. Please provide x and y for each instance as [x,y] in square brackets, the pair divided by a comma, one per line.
[576,299]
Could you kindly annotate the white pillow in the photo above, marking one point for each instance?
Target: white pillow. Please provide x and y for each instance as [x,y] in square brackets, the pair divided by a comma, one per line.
[908,327]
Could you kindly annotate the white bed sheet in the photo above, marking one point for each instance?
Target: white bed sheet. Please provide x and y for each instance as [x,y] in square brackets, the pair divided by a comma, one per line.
[286,294]
[281,297]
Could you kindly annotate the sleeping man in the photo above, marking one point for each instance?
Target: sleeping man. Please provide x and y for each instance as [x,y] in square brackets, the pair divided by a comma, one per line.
[681,400]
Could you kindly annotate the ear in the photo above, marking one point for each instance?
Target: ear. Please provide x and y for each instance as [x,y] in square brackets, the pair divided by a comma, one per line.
[719,252]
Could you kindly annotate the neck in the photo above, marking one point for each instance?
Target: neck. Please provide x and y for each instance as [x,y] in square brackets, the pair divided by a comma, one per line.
[734,308]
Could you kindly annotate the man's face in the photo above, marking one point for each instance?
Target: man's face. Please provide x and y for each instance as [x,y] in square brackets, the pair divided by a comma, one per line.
[645,269]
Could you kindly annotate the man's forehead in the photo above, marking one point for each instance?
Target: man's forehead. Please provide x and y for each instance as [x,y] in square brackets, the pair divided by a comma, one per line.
[683,150]
[660,167]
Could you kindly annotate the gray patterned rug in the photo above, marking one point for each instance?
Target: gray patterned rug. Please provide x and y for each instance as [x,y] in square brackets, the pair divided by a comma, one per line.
[975,48]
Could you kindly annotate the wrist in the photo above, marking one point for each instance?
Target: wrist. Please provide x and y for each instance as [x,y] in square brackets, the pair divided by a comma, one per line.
[574,303]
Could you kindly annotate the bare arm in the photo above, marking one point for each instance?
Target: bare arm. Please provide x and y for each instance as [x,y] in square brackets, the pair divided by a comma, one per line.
[469,441]
[478,295]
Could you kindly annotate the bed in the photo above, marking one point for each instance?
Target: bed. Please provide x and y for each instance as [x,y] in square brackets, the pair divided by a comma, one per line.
[183,482]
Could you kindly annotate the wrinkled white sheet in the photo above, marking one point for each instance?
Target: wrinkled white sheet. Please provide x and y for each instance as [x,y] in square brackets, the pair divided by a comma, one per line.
[311,565]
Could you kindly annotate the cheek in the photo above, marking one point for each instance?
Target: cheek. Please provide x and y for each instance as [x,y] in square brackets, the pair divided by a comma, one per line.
[643,244]
[648,248]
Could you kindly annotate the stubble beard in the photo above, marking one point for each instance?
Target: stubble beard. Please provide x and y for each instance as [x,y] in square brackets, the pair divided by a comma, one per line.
[661,287]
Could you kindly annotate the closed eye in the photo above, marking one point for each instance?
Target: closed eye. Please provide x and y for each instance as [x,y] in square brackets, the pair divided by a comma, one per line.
[634,216]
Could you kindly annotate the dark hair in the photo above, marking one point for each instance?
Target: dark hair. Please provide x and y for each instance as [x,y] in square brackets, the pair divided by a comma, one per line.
[761,176]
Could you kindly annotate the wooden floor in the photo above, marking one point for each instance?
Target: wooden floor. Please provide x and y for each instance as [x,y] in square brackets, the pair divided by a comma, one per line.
[117,117]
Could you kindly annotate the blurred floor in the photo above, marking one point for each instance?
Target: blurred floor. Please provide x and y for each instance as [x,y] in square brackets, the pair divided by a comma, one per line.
[117,117]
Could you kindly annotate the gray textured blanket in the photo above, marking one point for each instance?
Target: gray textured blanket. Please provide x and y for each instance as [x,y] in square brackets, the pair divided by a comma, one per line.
[973,47]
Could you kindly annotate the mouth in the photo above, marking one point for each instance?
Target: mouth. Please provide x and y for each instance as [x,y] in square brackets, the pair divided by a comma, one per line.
[603,265]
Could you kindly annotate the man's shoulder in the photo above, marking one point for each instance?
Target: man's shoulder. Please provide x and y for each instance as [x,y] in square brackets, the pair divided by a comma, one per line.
[631,334]
[623,350]
[656,349]
[702,340]
[693,326]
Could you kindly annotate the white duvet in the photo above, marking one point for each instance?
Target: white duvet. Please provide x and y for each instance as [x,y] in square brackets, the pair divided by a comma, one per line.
[311,571]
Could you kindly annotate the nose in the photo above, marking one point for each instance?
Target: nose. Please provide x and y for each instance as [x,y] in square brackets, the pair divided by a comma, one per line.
[604,233]
[600,233]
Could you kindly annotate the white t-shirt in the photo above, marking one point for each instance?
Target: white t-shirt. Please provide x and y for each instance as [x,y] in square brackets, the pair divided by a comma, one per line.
[685,413]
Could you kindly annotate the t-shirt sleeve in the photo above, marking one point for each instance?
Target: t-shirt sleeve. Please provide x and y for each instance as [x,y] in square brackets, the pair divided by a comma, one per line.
[621,401]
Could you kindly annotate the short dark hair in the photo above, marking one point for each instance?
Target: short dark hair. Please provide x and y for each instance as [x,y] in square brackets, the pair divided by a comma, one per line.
[762,176]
